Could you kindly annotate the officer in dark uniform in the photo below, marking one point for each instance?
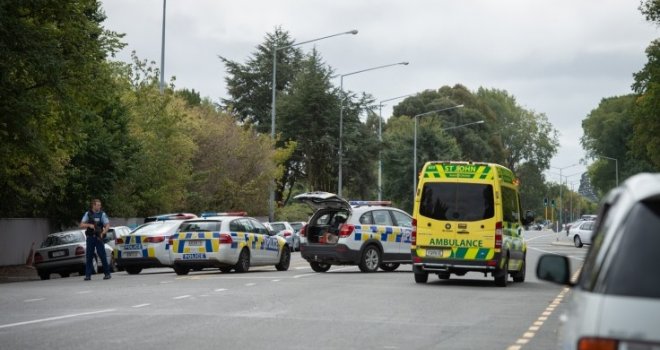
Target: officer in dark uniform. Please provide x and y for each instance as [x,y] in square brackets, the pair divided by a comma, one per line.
[96,224]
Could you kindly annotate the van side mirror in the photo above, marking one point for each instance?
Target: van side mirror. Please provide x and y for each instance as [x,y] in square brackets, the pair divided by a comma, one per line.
[554,268]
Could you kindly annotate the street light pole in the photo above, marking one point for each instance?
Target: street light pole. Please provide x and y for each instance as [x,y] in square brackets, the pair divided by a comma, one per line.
[415,141]
[561,207]
[271,201]
[341,115]
[616,168]
[380,143]
[162,54]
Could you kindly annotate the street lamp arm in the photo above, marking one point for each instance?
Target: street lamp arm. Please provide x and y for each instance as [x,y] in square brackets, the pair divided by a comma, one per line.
[353,32]
[463,125]
[437,111]
[374,68]
[392,99]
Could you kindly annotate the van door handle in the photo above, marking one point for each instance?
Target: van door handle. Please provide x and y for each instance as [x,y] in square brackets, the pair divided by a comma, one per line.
[462,232]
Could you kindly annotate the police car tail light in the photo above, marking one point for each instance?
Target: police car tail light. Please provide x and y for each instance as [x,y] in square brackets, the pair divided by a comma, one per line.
[225,239]
[413,235]
[119,241]
[346,230]
[498,235]
[157,239]
[80,250]
[38,258]
[170,240]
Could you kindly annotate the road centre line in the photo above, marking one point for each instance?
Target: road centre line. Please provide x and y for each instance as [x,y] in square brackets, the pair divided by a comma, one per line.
[220,290]
[140,305]
[33,300]
[182,297]
[54,318]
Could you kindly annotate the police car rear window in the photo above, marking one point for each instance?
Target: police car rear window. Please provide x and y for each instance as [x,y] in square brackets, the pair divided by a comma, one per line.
[457,201]
[201,226]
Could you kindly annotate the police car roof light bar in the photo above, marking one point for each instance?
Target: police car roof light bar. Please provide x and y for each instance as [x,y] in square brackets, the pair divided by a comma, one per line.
[231,213]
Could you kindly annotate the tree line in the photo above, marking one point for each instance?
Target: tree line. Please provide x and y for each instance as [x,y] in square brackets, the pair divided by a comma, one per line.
[76,124]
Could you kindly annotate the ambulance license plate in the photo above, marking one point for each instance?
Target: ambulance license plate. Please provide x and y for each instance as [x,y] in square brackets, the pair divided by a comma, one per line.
[435,253]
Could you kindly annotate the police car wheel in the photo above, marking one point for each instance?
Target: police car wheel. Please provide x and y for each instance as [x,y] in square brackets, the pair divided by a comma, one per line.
[285,260]
[319,267]
[370,259]
[243,264]
[502,276]
[421,277]
[181,270]
[578,242]
[389,266]
[133,270]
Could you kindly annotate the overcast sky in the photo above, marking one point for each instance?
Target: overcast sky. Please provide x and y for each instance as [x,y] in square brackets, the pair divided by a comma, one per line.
[558,57]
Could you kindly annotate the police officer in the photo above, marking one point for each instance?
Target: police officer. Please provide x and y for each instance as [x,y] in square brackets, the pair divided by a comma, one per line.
[96,224]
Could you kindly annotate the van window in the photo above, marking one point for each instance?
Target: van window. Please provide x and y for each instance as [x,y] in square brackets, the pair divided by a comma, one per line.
[457,201]
[510,205]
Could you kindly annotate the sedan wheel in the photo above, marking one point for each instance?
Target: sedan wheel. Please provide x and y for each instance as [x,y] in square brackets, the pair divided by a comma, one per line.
[285,260]
[578,241]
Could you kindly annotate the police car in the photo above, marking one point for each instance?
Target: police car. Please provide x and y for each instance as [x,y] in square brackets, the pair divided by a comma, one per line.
[145,247]
[370,234]
[226,241]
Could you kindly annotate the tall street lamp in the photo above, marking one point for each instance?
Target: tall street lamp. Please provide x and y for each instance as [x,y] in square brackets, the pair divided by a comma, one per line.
[271,201]
[380,142]
[162,54]
[415,139]
[341,113]
[616,165]
[561,209]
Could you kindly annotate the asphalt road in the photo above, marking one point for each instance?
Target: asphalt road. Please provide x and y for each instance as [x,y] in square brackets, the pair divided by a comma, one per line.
[294,309]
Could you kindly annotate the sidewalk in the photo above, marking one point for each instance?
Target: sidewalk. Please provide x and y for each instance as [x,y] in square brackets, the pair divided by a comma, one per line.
[562,239]
[18,273]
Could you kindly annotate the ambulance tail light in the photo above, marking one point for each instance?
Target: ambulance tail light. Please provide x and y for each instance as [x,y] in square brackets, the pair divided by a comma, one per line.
[303,231]
[413,235]
[225,238]
[498,235]
[602,344]
[38,258]
[346,230]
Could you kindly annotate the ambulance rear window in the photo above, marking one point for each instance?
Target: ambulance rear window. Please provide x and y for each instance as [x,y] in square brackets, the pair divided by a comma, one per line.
[457,201]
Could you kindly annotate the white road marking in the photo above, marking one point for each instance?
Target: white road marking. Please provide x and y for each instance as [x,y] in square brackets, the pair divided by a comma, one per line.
[182,297]
[54,318]
[249,284]
[531,331]
[140,305]
[84,292]
[32,300]
[220,290]
[541,236]
[164,282]
[275,280]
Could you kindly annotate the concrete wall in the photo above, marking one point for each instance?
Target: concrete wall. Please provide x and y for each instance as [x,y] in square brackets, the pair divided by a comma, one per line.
[17,236]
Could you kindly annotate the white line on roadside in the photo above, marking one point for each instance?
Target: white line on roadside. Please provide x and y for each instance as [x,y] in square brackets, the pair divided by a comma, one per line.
[54,318]
[140,305]
[182,297]
[32,300]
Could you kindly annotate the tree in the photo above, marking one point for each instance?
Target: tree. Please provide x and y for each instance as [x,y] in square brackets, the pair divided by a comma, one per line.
[249,84]
[52,52]
[645,142]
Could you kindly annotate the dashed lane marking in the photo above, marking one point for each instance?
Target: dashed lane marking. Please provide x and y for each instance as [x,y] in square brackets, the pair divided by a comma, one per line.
[33,300]
[54,318]
[140,305]
[182,297]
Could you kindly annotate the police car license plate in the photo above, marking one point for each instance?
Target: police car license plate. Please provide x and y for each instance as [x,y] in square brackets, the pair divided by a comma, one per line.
[196,243]
[194,256]
[137,246]
[131,254]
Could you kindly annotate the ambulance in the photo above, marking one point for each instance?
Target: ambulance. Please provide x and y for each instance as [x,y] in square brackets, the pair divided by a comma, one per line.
[467,217]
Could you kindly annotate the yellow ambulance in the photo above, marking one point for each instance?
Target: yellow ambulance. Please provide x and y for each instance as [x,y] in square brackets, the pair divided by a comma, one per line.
[467,217]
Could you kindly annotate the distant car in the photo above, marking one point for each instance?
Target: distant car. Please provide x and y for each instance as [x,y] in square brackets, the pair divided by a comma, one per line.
[145,247]
[615,303]
[371,235]
[297,226]
[580,233]
[64,253]
[227,243]
[173,216]
[284,230]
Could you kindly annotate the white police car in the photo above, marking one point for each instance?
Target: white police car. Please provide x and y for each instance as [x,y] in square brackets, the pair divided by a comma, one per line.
[146,246]
[228,242]
[369,234]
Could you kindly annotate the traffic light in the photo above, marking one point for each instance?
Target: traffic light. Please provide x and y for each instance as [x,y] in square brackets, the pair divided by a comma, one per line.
[545,202]
[552,202]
